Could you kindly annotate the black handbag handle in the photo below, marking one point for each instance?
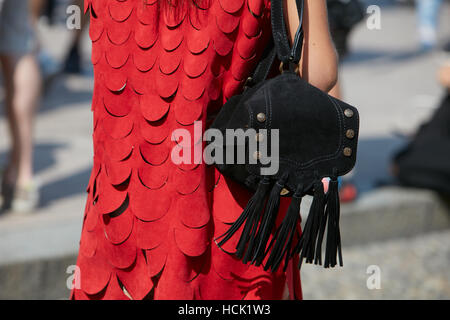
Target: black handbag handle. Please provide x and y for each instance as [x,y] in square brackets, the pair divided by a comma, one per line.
[279,45]
[285,53]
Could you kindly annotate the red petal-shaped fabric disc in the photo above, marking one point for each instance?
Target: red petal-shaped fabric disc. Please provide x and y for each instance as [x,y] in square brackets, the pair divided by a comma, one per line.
[117,56]
[116,81]
[113,291]
[197,41]
[184,267]
[193,88]
[214,88]
[233,195]
[251,26]
[95,273]
[226,22]
[109,198]
[118,227]
[114,104]
[240,69]
[135,279]
[140,81]
[187,182]
[117,127]
[190,137]
[232,87]
[188,166]
[167,291]
[225,265]
[144,60]
[88,243]
[117,171]
[198,18]
[171,38]
[156,259]
[246,47]
[213,178]
[96,53]
[147,11]
[120,10]
[120,103]
[192,241]
[216,288]
[173,18]
[256,8]
[147,204]
[219,65]
[145,35]
[166,85]
[155,132]
[121,255]
[150,234]
[92,218]
[154,154]
[202,4]
[154,177]
[118,33]
[223,44]
[153,108]
[96,29]
[186,112]
[119,149]
[195,65]
[169,61]
[231,6]
[86,4]
[193,210]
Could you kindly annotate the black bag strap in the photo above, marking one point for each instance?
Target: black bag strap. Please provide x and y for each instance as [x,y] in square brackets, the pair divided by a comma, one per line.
[279,45]
[285,53]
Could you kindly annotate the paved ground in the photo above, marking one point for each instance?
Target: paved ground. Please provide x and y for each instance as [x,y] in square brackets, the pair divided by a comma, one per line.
[392,84]
[414,268]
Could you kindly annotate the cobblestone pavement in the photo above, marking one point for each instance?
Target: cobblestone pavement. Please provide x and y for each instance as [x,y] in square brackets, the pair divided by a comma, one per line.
[415,268]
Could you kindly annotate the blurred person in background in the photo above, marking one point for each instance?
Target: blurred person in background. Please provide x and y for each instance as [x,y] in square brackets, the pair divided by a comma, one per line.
[425,161]
[428,16]
[343,16]
[22,84]
[72,63]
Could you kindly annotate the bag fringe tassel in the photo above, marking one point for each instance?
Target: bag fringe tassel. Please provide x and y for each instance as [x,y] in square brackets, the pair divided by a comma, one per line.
[250,216]
[285,233]
[307,243]
[332,211]
[259,219]
[268,223]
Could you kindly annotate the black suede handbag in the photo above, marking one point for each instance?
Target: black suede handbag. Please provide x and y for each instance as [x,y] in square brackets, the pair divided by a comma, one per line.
[317,138]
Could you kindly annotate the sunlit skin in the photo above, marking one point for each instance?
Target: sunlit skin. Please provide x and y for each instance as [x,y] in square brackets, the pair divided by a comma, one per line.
[319,63]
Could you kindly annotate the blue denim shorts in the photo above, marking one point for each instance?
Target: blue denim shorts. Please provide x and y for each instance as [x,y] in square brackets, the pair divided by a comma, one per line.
[17,36]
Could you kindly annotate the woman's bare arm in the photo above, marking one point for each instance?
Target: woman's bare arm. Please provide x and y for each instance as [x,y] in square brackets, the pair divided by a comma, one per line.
[318,64]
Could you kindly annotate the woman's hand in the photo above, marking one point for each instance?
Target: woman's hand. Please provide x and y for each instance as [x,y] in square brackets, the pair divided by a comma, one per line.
[318,64]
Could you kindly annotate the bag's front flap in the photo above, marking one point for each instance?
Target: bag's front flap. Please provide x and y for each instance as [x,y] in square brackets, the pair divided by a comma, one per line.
[317,133]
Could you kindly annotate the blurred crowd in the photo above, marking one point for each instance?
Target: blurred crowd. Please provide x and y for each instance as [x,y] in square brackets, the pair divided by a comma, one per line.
[24,65]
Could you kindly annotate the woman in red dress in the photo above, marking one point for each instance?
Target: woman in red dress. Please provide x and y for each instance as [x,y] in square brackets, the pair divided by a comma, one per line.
[149,223]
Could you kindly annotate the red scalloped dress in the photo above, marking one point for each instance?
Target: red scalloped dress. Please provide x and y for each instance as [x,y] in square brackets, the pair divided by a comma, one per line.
[149,223]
